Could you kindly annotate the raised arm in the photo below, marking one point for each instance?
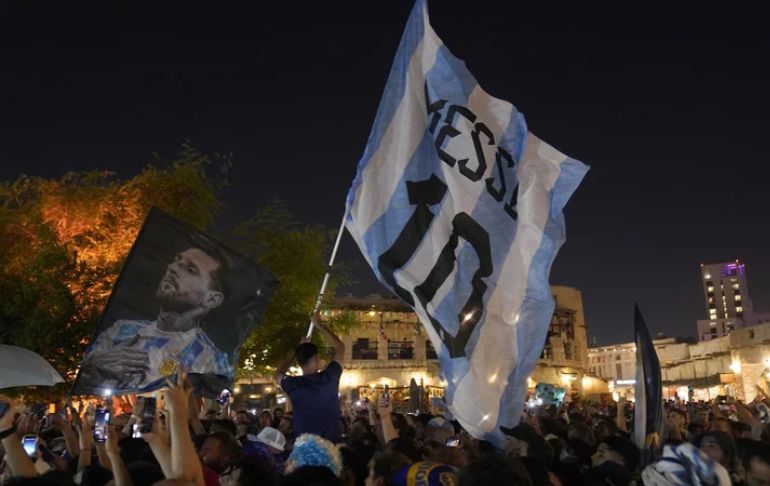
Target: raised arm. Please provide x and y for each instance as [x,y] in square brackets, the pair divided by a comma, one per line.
[119,471]
[18,461]
[283,366]
[339,346]
[160,444]
[184,460]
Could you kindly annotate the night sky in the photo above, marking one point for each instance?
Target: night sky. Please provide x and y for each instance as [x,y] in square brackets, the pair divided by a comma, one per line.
[668,107]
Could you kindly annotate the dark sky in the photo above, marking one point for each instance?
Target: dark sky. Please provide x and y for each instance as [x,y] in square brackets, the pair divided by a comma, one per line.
[668,107]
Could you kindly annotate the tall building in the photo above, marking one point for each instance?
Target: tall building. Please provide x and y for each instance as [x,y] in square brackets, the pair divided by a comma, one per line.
[727,302]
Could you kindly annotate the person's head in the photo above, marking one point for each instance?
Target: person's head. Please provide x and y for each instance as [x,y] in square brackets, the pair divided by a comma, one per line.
[740,430]
[265,419]
[719,446]
[307,358]
[604,429]
[720,424]
[355,466]
[219,450]
[223,425]
[273,439]
[676,419]
[383,466]
[286,426]
[439,430]
[618,450]
[582,432]
[405,446]
[244,417]
[313,450]
[195,279]
[755,464]
[278,414]
[703,417]
[523,441]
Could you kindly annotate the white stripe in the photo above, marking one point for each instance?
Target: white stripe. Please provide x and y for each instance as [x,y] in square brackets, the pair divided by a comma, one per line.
[383,171]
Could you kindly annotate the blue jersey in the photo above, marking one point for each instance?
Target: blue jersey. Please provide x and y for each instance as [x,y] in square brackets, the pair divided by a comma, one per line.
[165,351]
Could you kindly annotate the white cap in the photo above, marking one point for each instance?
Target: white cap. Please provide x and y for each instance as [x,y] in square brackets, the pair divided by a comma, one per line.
[272,437]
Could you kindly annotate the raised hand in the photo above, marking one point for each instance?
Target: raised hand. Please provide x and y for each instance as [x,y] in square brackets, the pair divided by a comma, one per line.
[177,395]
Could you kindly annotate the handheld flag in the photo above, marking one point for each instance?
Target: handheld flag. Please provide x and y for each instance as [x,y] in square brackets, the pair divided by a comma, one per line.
[182,300]
[458,210]
[647,390]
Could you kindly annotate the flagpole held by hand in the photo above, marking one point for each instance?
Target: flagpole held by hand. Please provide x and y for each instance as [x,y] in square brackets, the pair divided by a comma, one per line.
[328,273]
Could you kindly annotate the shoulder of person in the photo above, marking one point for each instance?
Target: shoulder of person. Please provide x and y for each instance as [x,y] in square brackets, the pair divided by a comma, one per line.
[334,368]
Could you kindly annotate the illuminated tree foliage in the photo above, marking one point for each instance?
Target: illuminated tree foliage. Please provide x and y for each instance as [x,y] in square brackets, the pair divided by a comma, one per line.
[63,241]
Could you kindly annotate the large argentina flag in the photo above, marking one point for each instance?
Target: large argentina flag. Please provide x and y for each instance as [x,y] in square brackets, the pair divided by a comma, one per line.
[458,209]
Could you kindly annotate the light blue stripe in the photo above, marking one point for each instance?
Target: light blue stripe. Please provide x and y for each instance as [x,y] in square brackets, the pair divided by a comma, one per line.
[190,353]
[395,87]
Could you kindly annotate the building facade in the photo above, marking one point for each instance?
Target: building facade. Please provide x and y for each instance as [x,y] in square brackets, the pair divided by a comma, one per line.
[726,298]
[389,346]
[736,365]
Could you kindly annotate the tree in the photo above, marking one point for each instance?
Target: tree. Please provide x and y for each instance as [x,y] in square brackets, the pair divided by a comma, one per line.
[63,242]
[297,255]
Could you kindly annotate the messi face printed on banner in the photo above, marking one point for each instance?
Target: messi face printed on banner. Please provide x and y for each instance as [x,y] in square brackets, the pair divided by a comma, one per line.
[136,355]
[193,285]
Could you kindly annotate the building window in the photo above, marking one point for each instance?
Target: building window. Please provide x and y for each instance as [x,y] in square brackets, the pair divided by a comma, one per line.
[619,370]
[430,351]
[365,348]
[739,314]
[401,349]
[751,333]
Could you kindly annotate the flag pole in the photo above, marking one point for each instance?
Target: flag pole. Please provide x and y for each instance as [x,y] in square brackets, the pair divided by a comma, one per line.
[328,272]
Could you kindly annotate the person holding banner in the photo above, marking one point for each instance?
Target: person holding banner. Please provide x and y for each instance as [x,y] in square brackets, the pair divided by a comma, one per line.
[138,354]
[314,395]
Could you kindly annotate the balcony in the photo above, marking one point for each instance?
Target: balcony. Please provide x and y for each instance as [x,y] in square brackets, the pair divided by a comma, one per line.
[401,350]
[365,349]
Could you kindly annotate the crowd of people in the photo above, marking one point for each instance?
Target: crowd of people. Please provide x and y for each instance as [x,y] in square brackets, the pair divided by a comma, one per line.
[320,442]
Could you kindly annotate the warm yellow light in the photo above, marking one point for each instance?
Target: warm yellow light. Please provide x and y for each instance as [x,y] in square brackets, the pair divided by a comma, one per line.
[615,396]
[372,313]
[736,367]
[586,382]
[252,396]
[372,385]
[237,390]
[268,389]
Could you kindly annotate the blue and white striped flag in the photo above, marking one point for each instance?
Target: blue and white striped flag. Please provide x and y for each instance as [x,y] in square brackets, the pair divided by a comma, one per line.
[458,209]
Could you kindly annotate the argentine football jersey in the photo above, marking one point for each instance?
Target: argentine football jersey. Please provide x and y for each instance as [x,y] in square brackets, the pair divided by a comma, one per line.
[165,350]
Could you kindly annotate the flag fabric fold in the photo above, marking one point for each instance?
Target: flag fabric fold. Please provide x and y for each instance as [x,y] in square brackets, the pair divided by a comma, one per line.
[647,389]
[458,210]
